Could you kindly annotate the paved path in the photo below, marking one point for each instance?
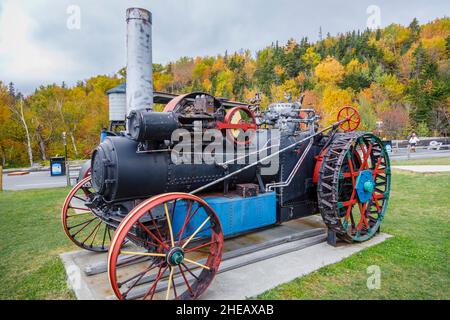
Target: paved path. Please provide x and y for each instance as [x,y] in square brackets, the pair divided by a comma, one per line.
[424,168]
[34,180]
[420,154]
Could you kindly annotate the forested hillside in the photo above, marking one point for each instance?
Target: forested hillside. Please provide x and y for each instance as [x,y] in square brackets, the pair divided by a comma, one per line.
[399,75]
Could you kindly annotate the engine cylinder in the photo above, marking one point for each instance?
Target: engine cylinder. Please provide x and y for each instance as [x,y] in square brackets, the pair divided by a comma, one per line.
[118,171]
[146,125]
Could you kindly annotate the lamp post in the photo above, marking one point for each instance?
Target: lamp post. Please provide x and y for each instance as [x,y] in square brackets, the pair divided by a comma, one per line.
[64,136]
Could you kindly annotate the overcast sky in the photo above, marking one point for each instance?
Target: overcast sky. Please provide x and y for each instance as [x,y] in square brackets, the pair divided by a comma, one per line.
[37,47]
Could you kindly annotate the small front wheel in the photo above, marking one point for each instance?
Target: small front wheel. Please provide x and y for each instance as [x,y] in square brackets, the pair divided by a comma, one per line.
[180,238]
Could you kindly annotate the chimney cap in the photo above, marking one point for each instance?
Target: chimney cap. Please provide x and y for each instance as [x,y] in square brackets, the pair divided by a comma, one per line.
[139,13]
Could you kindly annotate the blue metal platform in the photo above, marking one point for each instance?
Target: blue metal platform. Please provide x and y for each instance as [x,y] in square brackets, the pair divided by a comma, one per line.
[236,214]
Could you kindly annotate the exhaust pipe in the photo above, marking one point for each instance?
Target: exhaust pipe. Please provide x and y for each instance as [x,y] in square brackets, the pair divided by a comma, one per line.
[139,91]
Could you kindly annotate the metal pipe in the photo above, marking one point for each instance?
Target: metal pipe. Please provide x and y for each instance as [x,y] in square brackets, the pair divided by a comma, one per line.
[139,89]
[266,158]
[288,181]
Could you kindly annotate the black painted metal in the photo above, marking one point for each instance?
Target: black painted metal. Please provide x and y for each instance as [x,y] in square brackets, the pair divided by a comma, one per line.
[119,172]
[146,125]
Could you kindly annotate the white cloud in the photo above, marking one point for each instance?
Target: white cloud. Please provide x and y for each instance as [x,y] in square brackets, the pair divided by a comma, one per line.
[37,48]
[22,58]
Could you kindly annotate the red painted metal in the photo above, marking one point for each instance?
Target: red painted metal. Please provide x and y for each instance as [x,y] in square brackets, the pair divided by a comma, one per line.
[133,219]
[83,186]
[352,117]
[319,160]
[174,102]
[242,125]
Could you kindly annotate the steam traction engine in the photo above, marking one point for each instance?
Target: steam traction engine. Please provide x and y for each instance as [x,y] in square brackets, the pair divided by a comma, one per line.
[156,200]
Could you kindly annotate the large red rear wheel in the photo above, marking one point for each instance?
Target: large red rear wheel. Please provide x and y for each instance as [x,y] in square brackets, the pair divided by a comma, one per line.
[181,237]
[80,224]
[354,185]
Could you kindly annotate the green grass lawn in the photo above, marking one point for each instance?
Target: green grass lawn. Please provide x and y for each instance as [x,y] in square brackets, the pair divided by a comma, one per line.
[414,162]
[31,237]
[414,264]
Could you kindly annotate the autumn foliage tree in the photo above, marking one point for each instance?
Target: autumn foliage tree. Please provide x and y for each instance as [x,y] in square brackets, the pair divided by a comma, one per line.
[399,75]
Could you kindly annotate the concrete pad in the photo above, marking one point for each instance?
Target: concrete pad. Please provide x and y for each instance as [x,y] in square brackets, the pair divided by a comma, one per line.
[424,168]
[270,267]
[254,279]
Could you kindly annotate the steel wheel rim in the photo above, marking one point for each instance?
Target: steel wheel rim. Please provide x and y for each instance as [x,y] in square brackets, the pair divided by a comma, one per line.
[80,224]
[353,119]
[160,277]
[344,211]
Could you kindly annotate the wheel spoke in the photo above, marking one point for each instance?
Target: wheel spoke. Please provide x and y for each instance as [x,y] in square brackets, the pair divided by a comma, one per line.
[153,287]
[80,198]
[169,224]
[196,263]
[169,282]
[149,254]
[377,205]
[366,154]
[189,270]
[195,232]
[155,225]
[77,208]
[86,223]
[138,277]
[78,214]
[185,280]
[362,209]
[93,233]
[152,235]
[104,236]
[200,246]
[186,221]
[174,288]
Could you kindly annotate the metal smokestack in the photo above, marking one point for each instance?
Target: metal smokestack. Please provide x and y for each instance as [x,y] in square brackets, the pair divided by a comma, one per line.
[139,60]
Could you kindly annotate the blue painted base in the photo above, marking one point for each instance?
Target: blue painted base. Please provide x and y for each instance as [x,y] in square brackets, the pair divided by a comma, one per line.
[236,214]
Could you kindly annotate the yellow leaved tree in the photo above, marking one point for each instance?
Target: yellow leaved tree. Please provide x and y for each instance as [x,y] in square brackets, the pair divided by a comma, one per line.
[329,71]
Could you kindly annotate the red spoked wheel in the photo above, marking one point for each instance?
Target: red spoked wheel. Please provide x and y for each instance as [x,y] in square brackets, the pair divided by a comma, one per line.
[240,124]
[351,117]
[181,237]
[80,224]
[354,185]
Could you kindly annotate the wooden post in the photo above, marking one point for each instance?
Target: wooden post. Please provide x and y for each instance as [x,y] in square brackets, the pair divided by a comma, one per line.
[66,161]
[1,178]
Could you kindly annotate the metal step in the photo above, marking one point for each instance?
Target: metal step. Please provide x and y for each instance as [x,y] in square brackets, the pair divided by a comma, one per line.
[102,267]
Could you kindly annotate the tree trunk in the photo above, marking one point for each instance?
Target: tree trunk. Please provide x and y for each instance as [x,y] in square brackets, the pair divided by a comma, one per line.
[72,137]
[42,148]
[24,122]
[3,157]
